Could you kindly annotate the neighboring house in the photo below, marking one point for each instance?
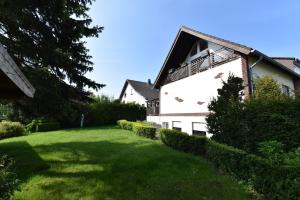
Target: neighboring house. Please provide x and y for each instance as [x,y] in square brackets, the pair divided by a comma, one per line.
[290,62]
[194,69]
[138,92]
[13,83]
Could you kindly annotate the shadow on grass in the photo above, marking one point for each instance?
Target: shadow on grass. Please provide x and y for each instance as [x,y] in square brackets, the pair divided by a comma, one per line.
[27,161]
[117,170]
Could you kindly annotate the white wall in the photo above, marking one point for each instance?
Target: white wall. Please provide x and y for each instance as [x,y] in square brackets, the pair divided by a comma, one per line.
[199,87]
[186,122]
[132,96]
[263,69]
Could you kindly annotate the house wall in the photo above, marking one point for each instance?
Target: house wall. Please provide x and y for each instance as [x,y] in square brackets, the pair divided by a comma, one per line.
[263,69]
[186,122]
[132,96]
[195,89]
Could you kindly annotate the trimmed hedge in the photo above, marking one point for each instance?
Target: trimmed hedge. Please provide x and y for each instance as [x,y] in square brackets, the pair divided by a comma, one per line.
[183,142]
[140,128]
[275,182]
[124,124]
[144,130]
[11,129]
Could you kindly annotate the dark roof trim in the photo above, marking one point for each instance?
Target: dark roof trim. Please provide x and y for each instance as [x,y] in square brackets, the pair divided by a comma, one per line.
[12,71]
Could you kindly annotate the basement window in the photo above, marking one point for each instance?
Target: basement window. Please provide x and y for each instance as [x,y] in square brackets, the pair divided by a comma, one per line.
[199,129]
[165,124]
[285,90]
[176,125]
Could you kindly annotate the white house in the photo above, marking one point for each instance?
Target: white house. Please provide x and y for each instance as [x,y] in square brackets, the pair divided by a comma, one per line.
[194,69]
[138,92]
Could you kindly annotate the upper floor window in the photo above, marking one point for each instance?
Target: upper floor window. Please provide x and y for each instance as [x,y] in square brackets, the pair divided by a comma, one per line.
[124,95]
[194,50]
[203,45]
[286,90]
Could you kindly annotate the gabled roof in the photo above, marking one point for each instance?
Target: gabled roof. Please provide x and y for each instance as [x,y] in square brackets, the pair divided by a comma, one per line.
[289,62]
[13,83]
[143,88]
[185,39]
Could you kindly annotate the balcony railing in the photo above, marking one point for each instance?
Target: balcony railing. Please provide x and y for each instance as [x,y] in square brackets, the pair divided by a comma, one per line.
[208,61]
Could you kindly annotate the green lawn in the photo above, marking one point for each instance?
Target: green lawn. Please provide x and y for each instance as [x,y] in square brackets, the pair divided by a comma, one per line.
[109,163]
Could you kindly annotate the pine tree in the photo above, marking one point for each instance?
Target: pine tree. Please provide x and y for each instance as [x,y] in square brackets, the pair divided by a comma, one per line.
[45,38]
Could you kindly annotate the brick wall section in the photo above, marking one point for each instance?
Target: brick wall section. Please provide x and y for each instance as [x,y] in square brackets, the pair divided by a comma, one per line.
[245,72]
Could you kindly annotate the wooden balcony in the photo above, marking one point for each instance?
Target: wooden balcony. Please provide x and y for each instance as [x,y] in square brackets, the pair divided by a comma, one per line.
[200,64]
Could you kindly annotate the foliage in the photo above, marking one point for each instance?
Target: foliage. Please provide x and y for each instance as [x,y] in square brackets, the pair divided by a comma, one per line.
[272,180]
[105,111]
[46,42]
[11,129]
[144,130]
[292,158]
[183,142]
[42,126]
[267,88]
[245,123]
[272,150]
[226,113]
[109,163]
[124,124]
[8,180]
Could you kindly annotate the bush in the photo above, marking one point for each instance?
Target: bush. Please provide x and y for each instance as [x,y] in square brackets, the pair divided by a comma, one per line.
[11,129]
[124,124]
[106,111]
[42,126]
[144,130]
[8,180]
[272,180]
[183,142]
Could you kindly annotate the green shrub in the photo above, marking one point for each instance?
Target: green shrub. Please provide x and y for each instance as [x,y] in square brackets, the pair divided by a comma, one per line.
[183,142]
[272,180]
[124,124]
[42,126]
[144,130]
[106,111]
[11,129]
[8,180]
[272,151]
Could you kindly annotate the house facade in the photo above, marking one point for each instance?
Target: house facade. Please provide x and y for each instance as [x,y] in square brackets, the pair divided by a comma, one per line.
[194,69]
[138,92]
[13,83]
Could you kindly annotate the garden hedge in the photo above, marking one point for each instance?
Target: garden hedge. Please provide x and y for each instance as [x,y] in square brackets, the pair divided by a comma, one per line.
[144,130]
[42,126]
[124,124]
[183,142]
[11,129]
[274,181]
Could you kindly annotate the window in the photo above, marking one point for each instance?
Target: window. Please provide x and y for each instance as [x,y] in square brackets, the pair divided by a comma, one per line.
[285,90]
[125,95]
[203,45]
[165,124]
[199,133]
[131,91]
[176,125]
[194,50]
[199,128]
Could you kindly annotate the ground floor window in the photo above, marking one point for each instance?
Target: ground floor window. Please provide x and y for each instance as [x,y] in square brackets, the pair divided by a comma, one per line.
[165,124]
[199,128]
[176,125]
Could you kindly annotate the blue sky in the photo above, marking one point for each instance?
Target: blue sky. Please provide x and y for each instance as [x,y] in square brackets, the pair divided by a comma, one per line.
[138,33]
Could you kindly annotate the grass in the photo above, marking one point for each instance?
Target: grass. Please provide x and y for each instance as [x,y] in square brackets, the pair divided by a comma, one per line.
[109,163]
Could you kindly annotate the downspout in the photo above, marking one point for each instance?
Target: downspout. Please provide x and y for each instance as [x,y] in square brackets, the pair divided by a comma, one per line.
[251,70]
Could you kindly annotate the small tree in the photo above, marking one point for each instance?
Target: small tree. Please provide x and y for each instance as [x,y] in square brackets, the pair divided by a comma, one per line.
[225,120]
[267,88]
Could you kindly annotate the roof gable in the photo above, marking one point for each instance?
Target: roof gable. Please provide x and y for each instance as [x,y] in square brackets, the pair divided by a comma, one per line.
[144,89]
